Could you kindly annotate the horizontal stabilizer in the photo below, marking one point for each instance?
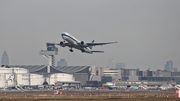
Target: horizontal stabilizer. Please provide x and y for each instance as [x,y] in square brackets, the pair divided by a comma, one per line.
[98,51]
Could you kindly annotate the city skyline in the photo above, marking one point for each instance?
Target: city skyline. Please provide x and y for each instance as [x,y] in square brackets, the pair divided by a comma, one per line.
[167,67]
[62,62]
[147,32]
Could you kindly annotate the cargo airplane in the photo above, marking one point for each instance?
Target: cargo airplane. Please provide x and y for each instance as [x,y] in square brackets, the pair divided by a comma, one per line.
[72,42]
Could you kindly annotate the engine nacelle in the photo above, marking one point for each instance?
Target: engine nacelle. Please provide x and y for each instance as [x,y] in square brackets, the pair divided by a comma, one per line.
[83,44]
[62,44]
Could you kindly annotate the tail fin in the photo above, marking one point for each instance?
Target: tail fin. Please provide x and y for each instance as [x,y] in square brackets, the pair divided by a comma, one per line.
[91,46]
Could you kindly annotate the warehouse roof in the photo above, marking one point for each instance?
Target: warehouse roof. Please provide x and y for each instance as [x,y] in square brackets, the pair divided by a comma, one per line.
[54,69]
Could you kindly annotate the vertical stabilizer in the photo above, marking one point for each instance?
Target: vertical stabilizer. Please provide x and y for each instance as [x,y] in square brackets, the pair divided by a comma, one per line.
[90,47]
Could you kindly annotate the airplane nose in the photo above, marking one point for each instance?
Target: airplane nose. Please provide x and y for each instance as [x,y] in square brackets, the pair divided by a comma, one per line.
[62,34]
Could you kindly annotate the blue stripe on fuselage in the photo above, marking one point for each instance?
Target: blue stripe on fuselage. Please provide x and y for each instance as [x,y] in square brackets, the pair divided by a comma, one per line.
[88,48]
[69,37]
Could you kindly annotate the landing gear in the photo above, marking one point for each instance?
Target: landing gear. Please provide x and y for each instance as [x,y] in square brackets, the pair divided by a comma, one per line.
[71,50]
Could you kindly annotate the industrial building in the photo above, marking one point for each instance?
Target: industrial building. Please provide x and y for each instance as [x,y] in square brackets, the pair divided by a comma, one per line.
[66,76]
[38,74]
[12,77]
[141,85]
[106,74]
[24,75]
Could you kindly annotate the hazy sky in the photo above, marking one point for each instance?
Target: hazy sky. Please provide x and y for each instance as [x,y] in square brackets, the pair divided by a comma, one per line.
[147,31]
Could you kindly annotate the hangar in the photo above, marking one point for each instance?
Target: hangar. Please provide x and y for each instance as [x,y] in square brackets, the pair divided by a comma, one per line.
[80,73]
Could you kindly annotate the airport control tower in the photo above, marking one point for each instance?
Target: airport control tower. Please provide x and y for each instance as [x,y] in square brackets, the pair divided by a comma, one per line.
[49,54]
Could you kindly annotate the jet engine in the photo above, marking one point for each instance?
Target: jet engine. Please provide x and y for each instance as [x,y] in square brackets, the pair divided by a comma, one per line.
[62,44]
[83,44]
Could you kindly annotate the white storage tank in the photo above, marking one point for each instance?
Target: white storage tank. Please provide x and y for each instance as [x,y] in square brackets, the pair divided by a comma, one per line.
[2,80]
[22,76]
[7,77]
[61,77]
[20,70]
[10,80]
[6,70]
[36,79]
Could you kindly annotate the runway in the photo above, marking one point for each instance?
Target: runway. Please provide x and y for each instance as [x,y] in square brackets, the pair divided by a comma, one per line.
[86,95]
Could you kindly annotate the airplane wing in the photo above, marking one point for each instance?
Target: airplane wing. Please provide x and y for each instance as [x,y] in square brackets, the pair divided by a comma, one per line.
[98,51]
[96,44]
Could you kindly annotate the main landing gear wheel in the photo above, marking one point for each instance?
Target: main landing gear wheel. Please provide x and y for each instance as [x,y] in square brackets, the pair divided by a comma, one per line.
[70,50]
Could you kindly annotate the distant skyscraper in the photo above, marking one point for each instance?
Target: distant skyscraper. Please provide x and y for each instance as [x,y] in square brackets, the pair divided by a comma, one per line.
[62,62]
[175,69]
[120,65]
[169,66]
[5,59]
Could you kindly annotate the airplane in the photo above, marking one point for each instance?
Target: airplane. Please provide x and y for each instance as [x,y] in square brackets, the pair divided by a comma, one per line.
[72,42]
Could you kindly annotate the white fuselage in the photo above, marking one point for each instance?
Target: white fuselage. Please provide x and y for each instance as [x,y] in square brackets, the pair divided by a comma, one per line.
[75,43]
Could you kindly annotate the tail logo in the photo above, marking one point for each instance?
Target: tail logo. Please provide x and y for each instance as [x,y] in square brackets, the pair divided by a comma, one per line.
[90,47]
